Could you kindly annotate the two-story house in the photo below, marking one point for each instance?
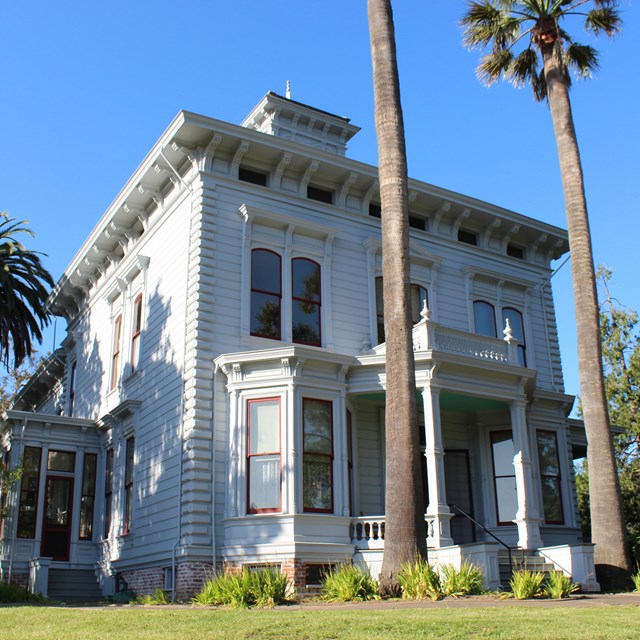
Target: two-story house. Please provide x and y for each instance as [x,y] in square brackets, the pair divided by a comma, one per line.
[219,397]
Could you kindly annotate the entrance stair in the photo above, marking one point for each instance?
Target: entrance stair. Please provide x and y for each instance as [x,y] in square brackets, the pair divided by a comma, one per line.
[74,586]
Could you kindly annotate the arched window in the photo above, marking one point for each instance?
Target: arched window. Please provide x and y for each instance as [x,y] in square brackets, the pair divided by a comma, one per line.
[517,328]
[419,296]
[306,301]
[266,294]
[484,317]
[115,352]
[136,329]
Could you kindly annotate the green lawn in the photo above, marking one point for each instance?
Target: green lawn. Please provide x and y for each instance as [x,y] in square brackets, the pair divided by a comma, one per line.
[506,622]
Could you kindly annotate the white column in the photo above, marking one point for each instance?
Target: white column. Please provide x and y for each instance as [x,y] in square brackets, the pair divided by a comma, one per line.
[527,517]
[291,461]
[236,425]
[437,509]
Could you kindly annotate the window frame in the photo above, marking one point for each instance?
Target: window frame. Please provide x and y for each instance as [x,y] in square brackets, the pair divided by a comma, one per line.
[522,344]
[495,477]
[277,294]
[129,474]
[250,455]
[26,490]
[329,456]
[116,351]
[557,476]
[136,332]
[108,492]
[476,304]
[88,512]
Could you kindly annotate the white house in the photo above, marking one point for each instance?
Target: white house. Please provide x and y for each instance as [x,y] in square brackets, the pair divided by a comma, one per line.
[219,397]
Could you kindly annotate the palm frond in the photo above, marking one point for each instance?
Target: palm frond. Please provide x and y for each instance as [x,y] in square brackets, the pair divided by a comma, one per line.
[539,86]
[523,68]
[485,23]
[604,20]
[493,65]
[582,59]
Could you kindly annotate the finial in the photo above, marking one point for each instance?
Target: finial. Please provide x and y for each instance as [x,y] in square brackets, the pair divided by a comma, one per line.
[508,332]
[287,94]
[425,314]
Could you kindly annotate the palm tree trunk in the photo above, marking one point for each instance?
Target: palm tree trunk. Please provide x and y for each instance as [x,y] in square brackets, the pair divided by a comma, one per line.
[607,521]
[405,534]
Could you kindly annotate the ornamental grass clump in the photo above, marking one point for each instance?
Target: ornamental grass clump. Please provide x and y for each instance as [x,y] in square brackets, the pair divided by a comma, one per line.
[465,581]
[636,580]
[559,586]
[420,581]
[526,584]
[348,582]
[263,587]
[10,594]
[155,598]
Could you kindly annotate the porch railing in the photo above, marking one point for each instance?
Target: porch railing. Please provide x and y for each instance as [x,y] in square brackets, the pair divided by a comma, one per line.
[367,532]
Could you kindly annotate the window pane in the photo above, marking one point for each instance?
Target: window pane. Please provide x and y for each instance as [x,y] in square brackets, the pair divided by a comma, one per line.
[548,453]
[264,426]
[306,322]
[306,279]
[484,318]
[29,492]
[552,500]
[265,315]
[89,474]
[86,517]
[502,446]
[61,461]
[317,483]
[418,298]
[265,271]
[517,329]
[264,482]
[507,498]
[317,426]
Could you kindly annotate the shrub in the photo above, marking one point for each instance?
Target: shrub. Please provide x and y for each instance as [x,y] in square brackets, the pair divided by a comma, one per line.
[636,580]
[559,586]
[348,582]
[420,581]
[465,581]
[526,584]
[263,587]
[9,594]
[157,597]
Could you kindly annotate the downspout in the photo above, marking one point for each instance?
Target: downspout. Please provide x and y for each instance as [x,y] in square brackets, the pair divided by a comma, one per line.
[546,326]
[182,395]
[213,469]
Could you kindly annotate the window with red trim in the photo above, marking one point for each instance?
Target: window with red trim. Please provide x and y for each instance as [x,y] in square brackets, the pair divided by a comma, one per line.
[550,477]
[128,484]
[263,456]
[306,300]
[266,294]
[136,330]
[317,467]
[108,493]
[88,498]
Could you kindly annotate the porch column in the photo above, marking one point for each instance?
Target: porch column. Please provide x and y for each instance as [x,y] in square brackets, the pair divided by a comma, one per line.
[439,532]
[527,517]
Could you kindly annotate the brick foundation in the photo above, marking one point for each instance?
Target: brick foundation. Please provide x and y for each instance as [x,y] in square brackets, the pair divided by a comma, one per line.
[20,580]
[191,577]
[144,581]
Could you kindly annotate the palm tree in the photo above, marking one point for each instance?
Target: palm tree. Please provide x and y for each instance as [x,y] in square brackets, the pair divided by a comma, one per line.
[24,289]
[546,57]
[405,535]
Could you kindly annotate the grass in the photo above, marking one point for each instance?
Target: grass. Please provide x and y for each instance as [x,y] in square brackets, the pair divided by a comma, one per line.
[356,622]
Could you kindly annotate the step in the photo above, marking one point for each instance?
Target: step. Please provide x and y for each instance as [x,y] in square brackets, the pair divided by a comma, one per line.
[73,585]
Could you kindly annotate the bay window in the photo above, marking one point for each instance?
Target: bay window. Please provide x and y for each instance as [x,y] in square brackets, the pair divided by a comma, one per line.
[504,476]
[317,466]
[550,477]
[29,489]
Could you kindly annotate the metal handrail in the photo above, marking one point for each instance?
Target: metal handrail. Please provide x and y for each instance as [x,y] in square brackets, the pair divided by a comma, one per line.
[495,537]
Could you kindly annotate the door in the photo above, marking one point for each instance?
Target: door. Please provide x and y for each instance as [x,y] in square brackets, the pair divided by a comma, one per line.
[56,526]
[458,484]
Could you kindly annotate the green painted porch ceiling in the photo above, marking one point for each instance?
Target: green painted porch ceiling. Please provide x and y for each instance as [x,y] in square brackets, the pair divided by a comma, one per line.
[451,402]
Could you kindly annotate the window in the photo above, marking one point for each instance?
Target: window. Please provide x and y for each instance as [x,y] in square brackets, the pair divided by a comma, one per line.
[416,222]
[306,301]
[254,177]
[87,501]
[29,489]
[350,461]
[317,467]
[514,251]
[468,237]
[517,329]
[263,456]
[108,493]
[115,357]
[320,194]
[128,484]
[550,477]
[136,329]
[418,296]
[375,210]
[64,461]
[484,317]
[266,294]
[504,476]
[72,386]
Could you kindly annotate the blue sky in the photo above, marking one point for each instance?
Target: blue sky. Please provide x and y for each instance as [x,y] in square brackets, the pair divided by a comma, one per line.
[88,87]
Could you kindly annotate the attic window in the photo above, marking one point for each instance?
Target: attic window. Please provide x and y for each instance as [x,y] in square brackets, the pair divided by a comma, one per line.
[415,222]
[515,251]
[375,210]
[467,237]
[254,177]
[320,194]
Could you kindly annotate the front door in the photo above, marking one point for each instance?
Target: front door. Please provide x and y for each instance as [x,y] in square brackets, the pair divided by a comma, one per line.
[56,526]
[458,484]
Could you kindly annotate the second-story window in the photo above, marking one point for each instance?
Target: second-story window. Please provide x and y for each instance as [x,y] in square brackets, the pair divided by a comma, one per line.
[115,352]
[419,296]
[136,330]
[517,329]
[72,386]
[266,294]
[306,301]
[484,317]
